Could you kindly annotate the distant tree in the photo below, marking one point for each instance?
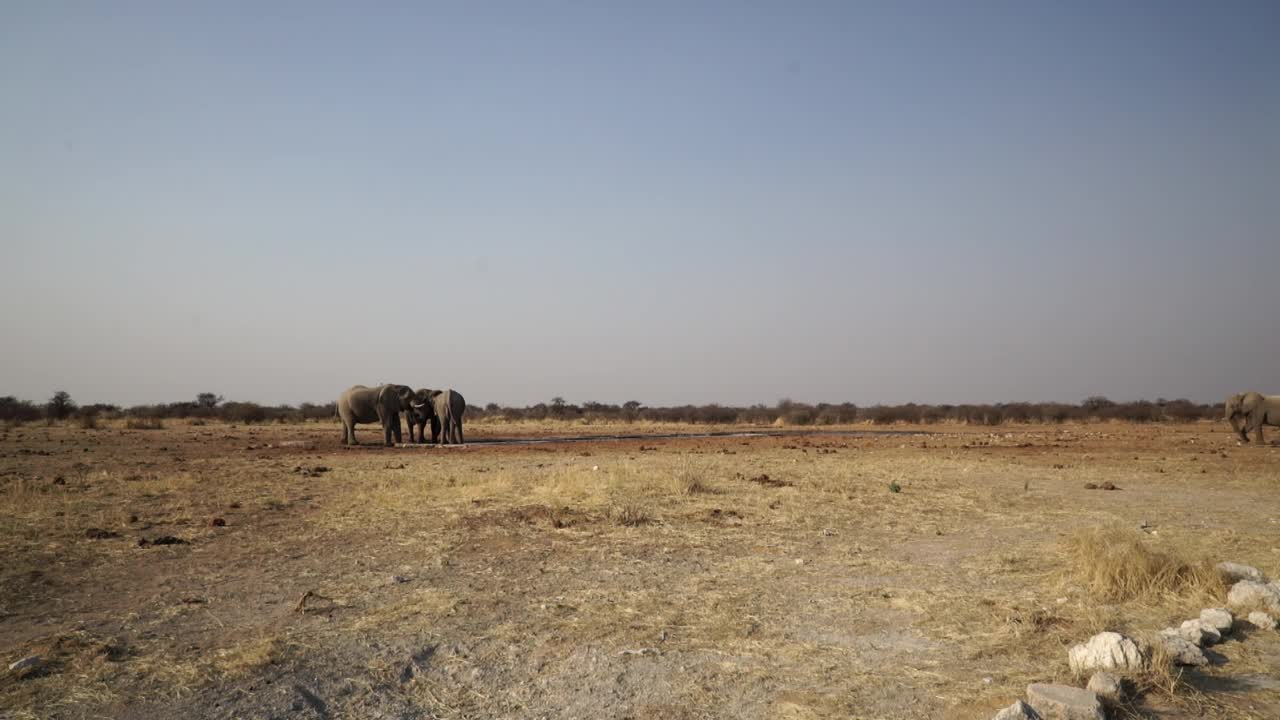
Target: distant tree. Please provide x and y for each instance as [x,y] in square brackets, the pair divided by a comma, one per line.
[1096,403]
[492,407]
[632,405]
[557,405]
[18,411]
[208,400]
[60,406]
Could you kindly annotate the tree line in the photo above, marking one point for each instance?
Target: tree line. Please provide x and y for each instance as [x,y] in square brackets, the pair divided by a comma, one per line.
[210,406]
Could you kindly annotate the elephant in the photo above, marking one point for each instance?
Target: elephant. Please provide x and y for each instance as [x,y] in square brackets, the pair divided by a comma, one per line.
[449,408]
[382,404]
[420,412]
[1256,410]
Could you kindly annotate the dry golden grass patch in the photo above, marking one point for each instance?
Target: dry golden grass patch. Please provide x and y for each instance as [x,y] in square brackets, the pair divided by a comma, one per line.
[1117,565]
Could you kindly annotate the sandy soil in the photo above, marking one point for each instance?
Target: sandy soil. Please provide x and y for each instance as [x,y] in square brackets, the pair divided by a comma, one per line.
[656,578]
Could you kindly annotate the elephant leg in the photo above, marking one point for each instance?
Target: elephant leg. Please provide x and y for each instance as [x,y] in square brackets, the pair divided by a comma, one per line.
[349,436]
[435,430]
[460,440]
[1239,428]
[395,428]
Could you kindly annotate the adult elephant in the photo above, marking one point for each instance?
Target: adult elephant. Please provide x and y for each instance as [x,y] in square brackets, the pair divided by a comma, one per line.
[381,404]
[449,408]
[420,412]
[1248,412]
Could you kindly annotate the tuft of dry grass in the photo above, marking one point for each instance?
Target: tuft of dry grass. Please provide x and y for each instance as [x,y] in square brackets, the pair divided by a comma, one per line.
[690,483]
[630,515]
[250,656]
[1115,564]
[144,424]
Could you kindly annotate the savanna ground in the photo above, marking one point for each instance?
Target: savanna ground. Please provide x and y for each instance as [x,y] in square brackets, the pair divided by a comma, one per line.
[765,577]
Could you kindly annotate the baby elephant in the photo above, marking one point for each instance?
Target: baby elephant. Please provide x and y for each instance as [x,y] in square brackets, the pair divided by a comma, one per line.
[443,409]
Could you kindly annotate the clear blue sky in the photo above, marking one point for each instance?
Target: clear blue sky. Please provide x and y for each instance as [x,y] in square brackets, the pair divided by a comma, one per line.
[667,201]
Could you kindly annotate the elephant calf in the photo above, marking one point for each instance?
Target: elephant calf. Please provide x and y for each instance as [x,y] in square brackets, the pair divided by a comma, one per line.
[1248,412]
[382,404]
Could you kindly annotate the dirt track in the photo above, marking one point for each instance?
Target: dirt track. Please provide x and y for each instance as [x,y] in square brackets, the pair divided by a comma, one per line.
[714,576]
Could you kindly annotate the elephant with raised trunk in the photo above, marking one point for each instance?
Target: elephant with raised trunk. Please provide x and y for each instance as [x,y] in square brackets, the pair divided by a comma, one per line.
[1248,412]
[381,404]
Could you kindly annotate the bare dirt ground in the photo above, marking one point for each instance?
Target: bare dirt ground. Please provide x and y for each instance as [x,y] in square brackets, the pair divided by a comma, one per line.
[779,577]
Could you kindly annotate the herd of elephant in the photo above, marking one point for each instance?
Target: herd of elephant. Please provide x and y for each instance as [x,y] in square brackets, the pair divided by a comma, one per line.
[441,409]
[1248,412]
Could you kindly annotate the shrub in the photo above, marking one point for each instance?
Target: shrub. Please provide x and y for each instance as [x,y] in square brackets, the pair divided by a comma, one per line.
[242,412]
[630,515]
[144,423]
[16,412]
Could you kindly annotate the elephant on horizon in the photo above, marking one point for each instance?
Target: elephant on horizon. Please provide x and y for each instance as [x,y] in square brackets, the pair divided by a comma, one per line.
[446,425]
[1248,412]
[420,412]
[381,404]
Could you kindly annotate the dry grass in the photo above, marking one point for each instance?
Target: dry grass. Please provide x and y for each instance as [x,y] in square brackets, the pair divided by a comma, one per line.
[758,578]
[630,515]
[1115,565]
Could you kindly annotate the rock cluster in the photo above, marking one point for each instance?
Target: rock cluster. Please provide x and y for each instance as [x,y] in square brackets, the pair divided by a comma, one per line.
[1183,644]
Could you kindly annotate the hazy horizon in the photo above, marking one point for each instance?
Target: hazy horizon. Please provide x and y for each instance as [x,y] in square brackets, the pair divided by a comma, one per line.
[732,203]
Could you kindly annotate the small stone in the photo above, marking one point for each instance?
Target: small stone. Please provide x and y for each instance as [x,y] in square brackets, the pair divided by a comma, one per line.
[1017,711]
[1106,651]
[1218,618]
[1063,702]
[1235,572]
[1106,686]
[1199,633]
[217,522]
[1182,652]
[1251,593]
[29,661]
[399,578]
[1261,620]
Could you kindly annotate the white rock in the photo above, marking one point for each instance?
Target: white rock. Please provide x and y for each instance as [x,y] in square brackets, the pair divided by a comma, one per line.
[1219,618]
[1251,593]
[1261,620]
[1106,651]
[1106,685]
[24,663]
[1183,652]
[1199,632]
[1063,702]
[1017,711]
[1236,572]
